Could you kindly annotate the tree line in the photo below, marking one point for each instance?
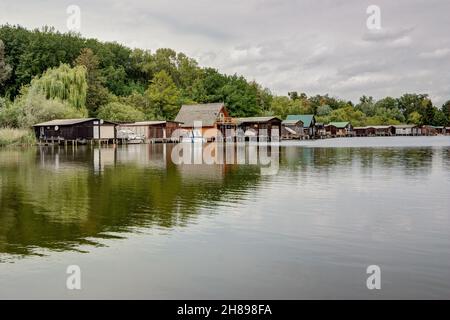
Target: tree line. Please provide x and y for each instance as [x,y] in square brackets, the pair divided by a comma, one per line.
[46,74]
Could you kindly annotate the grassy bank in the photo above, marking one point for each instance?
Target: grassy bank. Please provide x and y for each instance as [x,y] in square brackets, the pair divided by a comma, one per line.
[16,137]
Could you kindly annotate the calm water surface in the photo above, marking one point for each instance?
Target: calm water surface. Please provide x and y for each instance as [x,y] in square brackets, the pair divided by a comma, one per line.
[140,226]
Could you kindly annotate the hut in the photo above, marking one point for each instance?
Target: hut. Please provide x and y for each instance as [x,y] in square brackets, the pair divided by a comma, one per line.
[407,130]
[387,130]
[320,130]
[75,130]
[428,131]
[341,129]
[441,130]
[204,121]
[154,131]
[309,123]
[292,129]
[370,131]
[362,131]
[260,127]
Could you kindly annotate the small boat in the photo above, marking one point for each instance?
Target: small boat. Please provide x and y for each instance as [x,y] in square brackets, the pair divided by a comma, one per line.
[130,137]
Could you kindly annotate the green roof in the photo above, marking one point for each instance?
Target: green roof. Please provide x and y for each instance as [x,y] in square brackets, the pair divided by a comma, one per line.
[339,125]
[305,118]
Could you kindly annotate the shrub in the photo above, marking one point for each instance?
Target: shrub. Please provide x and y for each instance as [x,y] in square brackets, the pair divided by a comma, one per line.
[116,111]
[10,136]
[35,108]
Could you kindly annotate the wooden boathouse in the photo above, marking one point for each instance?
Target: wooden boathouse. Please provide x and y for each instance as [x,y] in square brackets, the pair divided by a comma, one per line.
[407,130]
[208,117]
[154,131]
[371,131]
[292,129]
[75,131]
[339,129]
[260,127]
[309,123]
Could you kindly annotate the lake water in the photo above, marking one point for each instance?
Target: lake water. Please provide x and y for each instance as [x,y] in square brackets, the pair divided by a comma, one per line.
[141,227]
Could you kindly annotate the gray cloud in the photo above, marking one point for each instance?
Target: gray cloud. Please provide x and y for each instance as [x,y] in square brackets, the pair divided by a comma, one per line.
[304,45]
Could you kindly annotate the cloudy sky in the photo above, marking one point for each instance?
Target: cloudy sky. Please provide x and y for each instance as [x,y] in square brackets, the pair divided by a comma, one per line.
[312,46]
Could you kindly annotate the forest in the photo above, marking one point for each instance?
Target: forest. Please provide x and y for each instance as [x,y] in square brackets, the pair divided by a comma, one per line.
[46,74]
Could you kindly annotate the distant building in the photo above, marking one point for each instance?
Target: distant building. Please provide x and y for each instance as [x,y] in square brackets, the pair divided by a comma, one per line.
[407,130]
[292,129]
[320,130]
[75,130]
[309,123]
[154,131]
[341,129]
[442,130]
[428,131]
[212,116]
[374,131]
[260,126]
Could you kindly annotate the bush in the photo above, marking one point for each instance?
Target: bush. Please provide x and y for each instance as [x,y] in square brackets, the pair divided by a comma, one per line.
[34,108]
[9,136]
[116,111]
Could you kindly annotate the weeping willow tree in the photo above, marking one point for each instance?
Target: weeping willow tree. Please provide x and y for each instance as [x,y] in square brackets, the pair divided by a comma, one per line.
[64,83]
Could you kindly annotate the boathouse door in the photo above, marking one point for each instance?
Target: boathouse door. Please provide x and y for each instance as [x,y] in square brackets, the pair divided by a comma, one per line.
[96,128]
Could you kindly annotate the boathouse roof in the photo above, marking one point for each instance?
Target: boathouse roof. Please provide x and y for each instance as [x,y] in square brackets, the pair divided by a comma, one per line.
[307,119]
[206,113]
[256,119]
[148,123]
[64,122]
[339,125]
[292,122]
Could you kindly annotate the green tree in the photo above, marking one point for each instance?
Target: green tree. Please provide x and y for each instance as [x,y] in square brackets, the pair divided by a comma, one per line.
[5,69]
[65,83]
[366,105]
[415,117]
[283,106]
[97,94]
[116,111]
[440,118]
[32,107]
[428,112]
[356,117]
[446,108]
[163,96]
[207,88]
[324,110]
[138,101]
[411,102]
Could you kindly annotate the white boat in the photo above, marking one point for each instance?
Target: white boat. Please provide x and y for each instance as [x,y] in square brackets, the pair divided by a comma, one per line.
[130,137]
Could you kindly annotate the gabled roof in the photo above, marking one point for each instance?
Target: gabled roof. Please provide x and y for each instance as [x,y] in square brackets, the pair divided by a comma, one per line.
[292,122]
[374,127]
[381,127]
[305,118]
[146,123]
[64,122]
[255,119]
[405,126]
[206,113]
[339,125]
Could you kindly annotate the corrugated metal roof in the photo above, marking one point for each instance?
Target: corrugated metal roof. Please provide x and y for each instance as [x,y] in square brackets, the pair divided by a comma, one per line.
[381,127]
[64,122]
[339,125]
[291,122]
[206,113]
[405,126]
[305,118]
[374,127]
[255,119]
[145,123]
